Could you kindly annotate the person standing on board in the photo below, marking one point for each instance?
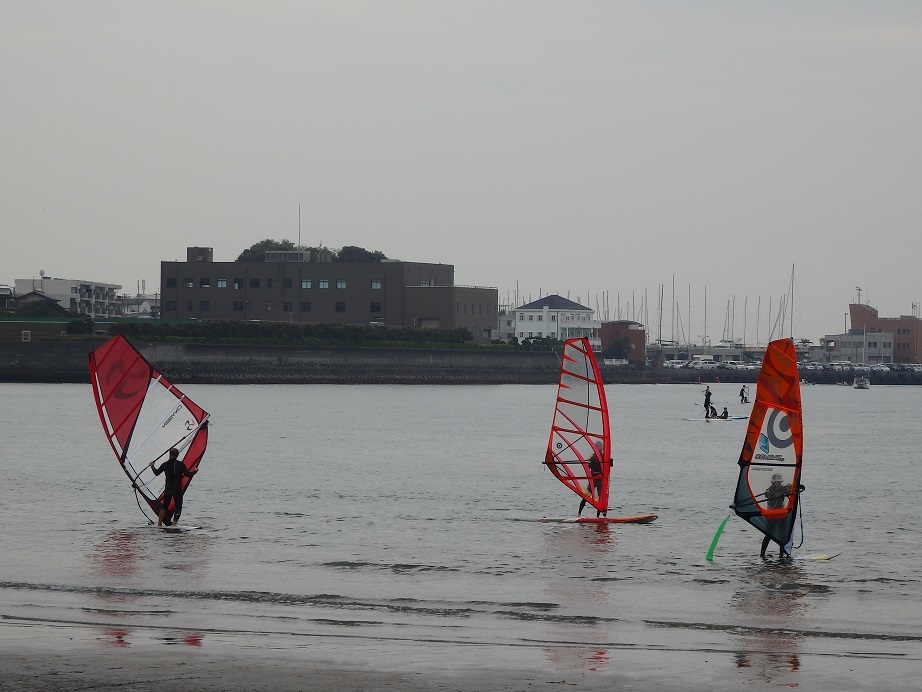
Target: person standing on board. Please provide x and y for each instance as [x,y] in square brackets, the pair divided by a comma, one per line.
[707,401]
[743,399]
[775,495]
[174,470]
[594,486]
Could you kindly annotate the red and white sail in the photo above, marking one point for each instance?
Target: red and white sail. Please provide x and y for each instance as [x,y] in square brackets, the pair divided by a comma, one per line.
[143,416]
[580,428]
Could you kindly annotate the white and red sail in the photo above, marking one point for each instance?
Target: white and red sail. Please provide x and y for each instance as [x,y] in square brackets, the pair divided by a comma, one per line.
[144,416]
[580,430]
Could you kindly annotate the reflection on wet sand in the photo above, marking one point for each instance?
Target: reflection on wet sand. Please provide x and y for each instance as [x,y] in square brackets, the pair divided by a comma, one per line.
[582,546]
[773,602]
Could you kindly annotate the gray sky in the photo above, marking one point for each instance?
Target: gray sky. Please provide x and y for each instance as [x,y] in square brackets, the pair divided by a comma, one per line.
[580,148]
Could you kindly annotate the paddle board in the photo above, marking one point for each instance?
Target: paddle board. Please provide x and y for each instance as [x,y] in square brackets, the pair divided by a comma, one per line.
[708,420]
[639,519]
[178,529]
[827,556]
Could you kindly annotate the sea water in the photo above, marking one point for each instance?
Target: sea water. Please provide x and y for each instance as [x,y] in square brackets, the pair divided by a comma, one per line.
[396,526]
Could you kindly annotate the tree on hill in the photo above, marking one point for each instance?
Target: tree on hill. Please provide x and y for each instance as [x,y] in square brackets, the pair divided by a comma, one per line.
[349,253]
[257,251]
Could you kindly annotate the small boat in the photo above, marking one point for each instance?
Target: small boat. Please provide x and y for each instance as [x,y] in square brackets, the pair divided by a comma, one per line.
[768,487]
[862,382]
[579,449]
[144,416]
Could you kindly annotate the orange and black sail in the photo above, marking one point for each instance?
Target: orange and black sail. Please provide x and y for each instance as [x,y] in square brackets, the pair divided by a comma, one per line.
[768,489]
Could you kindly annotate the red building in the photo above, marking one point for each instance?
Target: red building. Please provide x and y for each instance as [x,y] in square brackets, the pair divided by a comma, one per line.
[635,333]
[907,347]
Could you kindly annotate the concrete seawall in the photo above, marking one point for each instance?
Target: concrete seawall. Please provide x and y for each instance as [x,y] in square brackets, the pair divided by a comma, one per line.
[66,361]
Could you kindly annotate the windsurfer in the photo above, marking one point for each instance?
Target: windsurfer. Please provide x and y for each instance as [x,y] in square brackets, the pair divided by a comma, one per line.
[707,402]
[594,486]
[175,470]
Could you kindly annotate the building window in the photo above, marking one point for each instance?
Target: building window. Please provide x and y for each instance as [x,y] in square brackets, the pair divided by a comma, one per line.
[340,283]
[376,284]
[238,284]
[286,283]
[340,307]
[323,283]
[531,318]
[305,283]
[521,317]
[286,306]
[553,318]
[171,282]
[204,306]
[254,283]
[376,307]
[222,283]
[170,305]
[425,282]
[305,306]
[204,283]
[268,307]
[238,306]
[188,282]
[268,283]
[541,318]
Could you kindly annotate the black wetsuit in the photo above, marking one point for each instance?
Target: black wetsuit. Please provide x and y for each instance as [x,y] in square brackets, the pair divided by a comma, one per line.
[707,403]
[595,469]
[174,470]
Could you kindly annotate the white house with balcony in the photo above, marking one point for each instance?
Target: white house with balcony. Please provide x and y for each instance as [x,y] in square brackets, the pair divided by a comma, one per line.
[556,317]
[90,298]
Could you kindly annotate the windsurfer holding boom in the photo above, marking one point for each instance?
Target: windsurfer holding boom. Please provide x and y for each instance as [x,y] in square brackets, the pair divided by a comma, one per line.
[594,486]
[175,470]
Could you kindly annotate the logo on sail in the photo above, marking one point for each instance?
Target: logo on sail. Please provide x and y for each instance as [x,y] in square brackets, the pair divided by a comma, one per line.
[763,443]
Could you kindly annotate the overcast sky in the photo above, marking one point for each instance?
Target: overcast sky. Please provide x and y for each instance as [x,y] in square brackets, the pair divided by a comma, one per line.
[598,150]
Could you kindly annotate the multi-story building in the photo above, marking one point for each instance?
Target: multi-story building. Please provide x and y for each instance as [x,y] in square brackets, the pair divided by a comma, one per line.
[89,298]
[289,287]
[556,317]
[858,346]
[904,331]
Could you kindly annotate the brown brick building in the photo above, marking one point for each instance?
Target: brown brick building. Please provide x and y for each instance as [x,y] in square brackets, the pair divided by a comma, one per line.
[288,287]
[907,347]
[635,333]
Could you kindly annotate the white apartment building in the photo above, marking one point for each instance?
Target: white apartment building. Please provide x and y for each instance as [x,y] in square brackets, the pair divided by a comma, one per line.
[558,318]
[90,298]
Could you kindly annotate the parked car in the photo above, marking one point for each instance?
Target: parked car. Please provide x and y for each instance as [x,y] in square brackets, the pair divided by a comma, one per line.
[703,364]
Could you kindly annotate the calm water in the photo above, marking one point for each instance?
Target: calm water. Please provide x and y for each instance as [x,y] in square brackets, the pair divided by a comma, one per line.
[395,525]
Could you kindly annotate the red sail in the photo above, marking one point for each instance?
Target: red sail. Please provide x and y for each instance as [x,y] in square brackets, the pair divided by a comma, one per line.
[768,489]
[579,448]
[143,416]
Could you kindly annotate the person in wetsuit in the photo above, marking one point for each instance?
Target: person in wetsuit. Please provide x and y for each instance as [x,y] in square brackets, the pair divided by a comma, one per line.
[725,414]
[174,470]
[595,483]
[707,402]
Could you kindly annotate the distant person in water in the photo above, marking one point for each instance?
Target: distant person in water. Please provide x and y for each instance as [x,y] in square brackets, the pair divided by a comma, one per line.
[707,402]
[174,470]
[743,399]
[594,486]
[724,414]
[713,412]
